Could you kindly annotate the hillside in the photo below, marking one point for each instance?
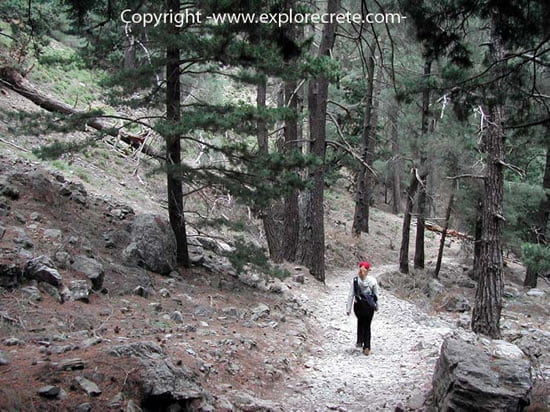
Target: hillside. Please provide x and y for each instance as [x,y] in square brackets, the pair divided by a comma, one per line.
[277,145]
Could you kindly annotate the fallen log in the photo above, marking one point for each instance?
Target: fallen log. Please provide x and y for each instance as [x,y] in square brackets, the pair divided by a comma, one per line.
[449,232]
[12,79]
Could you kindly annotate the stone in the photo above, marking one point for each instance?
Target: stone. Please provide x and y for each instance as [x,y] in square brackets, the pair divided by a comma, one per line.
[177,317]
[91,268]
[62,259]
[13,342]
[156,306]
[535,292]
[52,291]
[164,293]
[260,311]
[88,386]
[246,401]
[33,293]
[84,407]
[42,269]
[300,278]
[152,244]
[2,231]
[141,291]
[49,391]
[54,234]
[79,290]
[71,364]
[456,303]
[3,359]
[11,276]
[116,401]
[22,239]
[416,401]
[137,349]
[35,217]
[505,350]
[164,382]
[466,377]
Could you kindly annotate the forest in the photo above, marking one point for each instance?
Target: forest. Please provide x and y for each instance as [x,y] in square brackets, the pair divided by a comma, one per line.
[437,112]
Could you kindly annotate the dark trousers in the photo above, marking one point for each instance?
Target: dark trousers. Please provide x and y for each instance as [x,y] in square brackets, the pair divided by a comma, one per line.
[364,318]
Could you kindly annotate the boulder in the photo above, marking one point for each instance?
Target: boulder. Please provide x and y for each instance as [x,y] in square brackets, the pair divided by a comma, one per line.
[49,391]
[11,276]
[245,401]
[42,269]
[535,292]
[152,245]
[260,311]
[138,350]
[91,268]
[168,387]
[22,238]
[435,287]
[466,377]
[32,292]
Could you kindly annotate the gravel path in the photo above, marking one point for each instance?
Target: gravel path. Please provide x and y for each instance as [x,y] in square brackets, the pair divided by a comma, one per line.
[405,347]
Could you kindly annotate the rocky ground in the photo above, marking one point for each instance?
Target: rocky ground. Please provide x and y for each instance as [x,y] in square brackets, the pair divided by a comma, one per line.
[84,327]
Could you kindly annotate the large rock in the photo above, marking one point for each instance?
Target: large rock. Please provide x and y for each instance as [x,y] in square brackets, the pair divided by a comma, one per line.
[91,268]
[466,378]
[166,386]
[79,290]
[42,269]
[152,245]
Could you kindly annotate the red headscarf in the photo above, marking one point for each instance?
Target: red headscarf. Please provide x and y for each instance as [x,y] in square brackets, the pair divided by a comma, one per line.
[364,265]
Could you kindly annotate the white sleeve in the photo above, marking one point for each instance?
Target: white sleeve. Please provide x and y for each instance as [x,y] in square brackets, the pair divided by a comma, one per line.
[351,296]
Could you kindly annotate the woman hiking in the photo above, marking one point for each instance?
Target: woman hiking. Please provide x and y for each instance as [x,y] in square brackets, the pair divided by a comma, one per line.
[364,291]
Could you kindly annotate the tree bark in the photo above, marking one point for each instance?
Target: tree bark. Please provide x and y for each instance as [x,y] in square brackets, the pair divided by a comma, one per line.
[291,214]
[422,195]
[395,175]
[405,234]
[363,192]
[539,231]
[443,237]
[173,147]
[313,232]
[268,215]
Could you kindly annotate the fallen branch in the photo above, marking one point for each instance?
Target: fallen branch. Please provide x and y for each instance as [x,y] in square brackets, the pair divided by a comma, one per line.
[12,79]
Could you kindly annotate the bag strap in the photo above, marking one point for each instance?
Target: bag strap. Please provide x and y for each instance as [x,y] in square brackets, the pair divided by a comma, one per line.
[356,287]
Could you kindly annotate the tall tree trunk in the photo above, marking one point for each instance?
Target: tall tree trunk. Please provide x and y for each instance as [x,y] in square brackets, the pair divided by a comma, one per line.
[313,232]
[477,236]
[362,194]
[395,172]
[405,234]
[173,147]
[291,216]
[539,231]
[422,194]
[490,284]
[443,236]
[268,214]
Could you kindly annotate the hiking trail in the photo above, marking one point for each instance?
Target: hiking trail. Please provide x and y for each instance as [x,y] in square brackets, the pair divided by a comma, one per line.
[398,372]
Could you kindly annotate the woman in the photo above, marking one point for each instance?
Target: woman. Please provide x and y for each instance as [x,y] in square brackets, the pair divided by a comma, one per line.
[363,285]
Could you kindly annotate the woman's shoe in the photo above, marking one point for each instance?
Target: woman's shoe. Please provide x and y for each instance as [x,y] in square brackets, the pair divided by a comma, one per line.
[366,351]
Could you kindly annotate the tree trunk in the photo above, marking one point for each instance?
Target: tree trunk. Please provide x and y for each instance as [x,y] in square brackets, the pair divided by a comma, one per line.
[291,216]
[313,232]
[268,215]
[477,236]
[539,231]
[405,235]
[395,172]
[362,194]
[443,236]
[173,147]
[488,303]
[22,86]
[422,195]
